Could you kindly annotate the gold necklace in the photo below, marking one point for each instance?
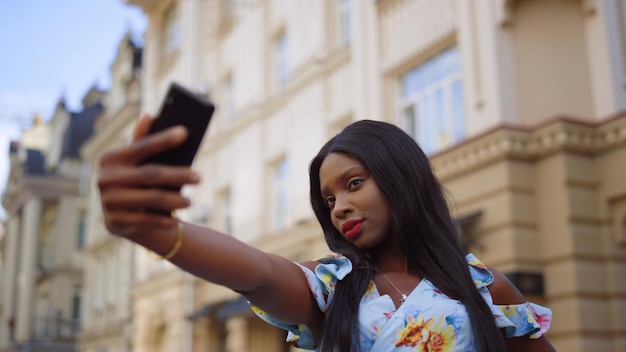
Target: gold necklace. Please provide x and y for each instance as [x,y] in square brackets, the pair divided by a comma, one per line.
[402,295]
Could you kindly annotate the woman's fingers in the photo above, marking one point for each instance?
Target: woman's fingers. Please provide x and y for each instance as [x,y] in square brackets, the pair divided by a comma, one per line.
[140,200]
[128,224]
[144,147]
[150,175]
[142,127]
[133,212]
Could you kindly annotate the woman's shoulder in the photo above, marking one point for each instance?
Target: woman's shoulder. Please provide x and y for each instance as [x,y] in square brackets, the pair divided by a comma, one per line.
[332,260]
[500,287]
[327,270]
[511,310]
[481,274]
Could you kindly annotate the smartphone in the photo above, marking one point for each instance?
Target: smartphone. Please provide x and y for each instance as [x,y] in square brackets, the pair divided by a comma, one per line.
[181,107]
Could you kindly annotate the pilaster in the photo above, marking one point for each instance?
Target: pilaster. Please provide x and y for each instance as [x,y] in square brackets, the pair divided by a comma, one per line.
[487,64]
[237,334]
[366,84]
[606,38]
[28,270]
[9,270]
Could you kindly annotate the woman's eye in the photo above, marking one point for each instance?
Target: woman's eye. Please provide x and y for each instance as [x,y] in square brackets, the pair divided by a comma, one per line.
[355,182]
[329,202]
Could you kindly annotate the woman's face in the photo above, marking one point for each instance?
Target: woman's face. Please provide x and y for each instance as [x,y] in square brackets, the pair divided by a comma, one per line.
[358,209]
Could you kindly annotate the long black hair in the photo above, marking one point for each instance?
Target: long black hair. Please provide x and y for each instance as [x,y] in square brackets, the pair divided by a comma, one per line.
[421,222]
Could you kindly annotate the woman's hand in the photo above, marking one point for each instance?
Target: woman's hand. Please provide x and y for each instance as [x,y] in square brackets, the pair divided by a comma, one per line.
[135,199]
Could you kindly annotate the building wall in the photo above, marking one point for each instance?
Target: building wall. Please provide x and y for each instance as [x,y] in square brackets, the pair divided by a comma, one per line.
[546,199]
[107,306]
[44,265]
[540,160]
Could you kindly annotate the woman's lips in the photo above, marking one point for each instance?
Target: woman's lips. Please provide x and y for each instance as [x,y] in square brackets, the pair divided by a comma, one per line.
[351,228]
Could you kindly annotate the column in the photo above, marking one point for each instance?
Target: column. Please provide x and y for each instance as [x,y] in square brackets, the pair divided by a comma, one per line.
[237,334]
[365,58]
[605,47]
[487,64]
[28,270]
[9,271]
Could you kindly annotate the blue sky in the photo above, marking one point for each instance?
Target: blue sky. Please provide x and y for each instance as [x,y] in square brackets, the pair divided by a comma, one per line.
[55,48]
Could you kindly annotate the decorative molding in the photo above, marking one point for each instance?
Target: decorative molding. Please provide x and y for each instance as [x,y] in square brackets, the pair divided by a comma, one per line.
[225,26]
[561,134]
[435,22]
[317,68]
[590,7]
[503,12]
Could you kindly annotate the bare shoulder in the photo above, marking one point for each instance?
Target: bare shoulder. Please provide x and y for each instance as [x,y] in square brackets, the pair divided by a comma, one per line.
[502,289]
[504,292]
[310,264]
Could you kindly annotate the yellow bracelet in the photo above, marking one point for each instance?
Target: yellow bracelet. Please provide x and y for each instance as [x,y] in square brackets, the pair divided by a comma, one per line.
[175,248]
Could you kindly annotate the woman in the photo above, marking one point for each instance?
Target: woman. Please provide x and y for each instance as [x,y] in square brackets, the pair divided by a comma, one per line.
[399,281]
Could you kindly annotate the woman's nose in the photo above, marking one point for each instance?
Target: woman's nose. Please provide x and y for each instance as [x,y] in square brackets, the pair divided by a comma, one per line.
[342,207]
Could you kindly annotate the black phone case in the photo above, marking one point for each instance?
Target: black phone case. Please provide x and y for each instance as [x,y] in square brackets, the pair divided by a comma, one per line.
[182,107]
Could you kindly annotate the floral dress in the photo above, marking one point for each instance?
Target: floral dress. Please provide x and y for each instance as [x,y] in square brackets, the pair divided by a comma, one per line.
[428,320]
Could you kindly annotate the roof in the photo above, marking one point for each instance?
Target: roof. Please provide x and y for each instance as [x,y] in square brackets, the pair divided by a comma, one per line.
[35,162]
[80,128]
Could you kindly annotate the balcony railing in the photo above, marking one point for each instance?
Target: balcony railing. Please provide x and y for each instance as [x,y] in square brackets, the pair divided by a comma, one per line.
[56,328]
[51,334]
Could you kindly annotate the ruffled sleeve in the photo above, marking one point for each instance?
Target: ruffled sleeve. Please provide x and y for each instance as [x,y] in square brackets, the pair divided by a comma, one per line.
[516,319]
[322,284]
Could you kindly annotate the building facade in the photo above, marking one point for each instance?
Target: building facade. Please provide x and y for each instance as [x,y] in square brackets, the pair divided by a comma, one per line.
[520,105]
[107,315]
[41,251]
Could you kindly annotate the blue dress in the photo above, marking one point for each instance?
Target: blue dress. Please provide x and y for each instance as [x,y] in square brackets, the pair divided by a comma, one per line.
[428,320]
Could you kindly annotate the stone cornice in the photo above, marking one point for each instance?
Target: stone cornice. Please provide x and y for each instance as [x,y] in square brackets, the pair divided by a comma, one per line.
[295,240]
[44,187]
[167,278]
[560,134]
[112,331]
[103,243]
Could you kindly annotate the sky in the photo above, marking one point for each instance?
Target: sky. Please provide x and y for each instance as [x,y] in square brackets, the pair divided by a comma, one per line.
[51,49]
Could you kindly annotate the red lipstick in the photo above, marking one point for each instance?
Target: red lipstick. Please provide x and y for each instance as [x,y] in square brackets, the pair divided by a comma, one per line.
[351,228]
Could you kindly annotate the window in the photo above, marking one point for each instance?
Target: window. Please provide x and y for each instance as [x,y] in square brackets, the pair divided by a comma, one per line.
[81,231]
[172,35]
[110,263]
[99,280]
[76,302]
[431,104]
[225,211]
[229,98]
[227,7]
[343,12]
[280,195]
[281,61]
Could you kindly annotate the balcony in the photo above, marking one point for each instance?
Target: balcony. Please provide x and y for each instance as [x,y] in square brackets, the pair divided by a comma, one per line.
[51,334]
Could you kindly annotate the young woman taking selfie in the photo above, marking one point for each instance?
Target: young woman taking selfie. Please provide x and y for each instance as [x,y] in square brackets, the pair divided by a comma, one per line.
[396,279]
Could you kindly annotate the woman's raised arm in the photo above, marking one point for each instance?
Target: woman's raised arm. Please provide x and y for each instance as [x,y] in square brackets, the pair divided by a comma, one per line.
[136,205]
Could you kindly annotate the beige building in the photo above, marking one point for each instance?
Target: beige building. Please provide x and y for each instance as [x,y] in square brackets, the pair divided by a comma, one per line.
[106,322]
[41,251]
[520,105]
